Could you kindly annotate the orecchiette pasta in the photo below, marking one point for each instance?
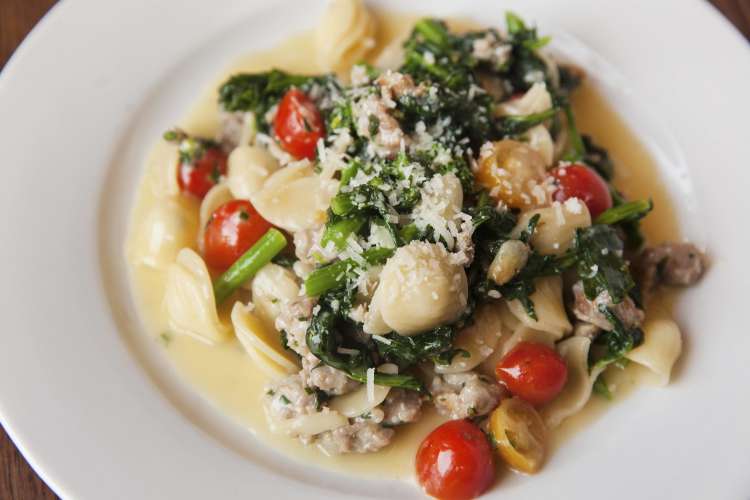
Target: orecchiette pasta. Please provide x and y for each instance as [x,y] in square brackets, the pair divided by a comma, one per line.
[510,258]
[295,198]
[259,339]
[479,340]
[509,340]
[162,166]
[577,390]
[662,345]
[539,139]
[392,55]
[166,229]
[357,403]
[419,289]
[189,300]
[526,334]
[535,100]
[549,308]
[345,34]
[273,288]
[309,425]
[248,167]
[556,229]
[216,197]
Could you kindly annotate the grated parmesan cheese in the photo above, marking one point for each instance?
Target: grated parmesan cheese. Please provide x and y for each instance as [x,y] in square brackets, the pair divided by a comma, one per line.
[371,385]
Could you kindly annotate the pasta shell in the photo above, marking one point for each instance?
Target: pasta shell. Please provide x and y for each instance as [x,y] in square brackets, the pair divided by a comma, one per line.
[577,390]
[295,198]
[309,425]
[256,336]
[189,300]
[356,402]
[420,289]
[248,167]
[273,288]
[216,197]
[509,340]
[535,100]
[162,167]
[479,340]
[549,308]
[167,228]
[539,139]
[345,34]
[555,232]
[662,345]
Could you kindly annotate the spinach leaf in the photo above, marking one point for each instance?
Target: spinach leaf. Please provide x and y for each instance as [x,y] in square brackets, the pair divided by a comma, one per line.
[406,351]
[324,338]
[599,263]
[619,341]
[597,158]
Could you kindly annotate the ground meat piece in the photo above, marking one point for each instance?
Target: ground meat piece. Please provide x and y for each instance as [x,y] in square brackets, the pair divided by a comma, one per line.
[325,378]
[232,128]
[584,329]
[674,264]
[401,407]
[463,395]
[288,398]
[394,85]
[588,310]
[359,437]
[371,115]
[294,320]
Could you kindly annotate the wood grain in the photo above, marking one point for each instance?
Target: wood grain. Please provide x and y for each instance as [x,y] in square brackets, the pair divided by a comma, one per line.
[17,480]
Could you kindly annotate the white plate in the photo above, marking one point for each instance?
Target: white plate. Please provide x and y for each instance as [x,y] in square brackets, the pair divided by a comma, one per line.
[96,414]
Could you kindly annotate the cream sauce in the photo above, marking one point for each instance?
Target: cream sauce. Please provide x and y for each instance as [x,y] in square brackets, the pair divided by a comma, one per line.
[226,376]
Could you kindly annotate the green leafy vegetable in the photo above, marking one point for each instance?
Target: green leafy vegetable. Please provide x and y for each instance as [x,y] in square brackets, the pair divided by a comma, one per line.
[324,338]
[625,212]
[190,149]
[526,67]
[435,345]
[338,273]
[619,341]
[597,158]
[257,92]
[599,263]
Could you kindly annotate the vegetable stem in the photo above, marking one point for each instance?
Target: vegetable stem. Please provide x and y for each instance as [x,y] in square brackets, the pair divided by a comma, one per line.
[630,211]
[244,268]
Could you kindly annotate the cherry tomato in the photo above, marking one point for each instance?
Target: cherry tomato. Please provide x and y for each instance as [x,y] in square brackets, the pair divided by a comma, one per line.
[533,372]
[232,229]
[455,461]
[582,182]
[202,174]
[298,124]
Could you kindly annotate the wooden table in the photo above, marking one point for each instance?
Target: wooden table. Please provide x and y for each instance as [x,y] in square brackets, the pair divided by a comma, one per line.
[17,480]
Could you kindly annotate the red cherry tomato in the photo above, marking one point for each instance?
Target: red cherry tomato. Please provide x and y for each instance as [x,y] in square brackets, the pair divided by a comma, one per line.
[298,124]
[455,461]
[533,372]
[232,229]
[201,175]
[582,182]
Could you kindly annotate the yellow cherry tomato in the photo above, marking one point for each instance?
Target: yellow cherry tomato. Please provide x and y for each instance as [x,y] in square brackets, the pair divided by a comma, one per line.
[513,173]
[520,434]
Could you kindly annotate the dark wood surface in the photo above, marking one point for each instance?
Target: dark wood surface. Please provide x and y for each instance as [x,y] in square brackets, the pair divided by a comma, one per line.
[17,480]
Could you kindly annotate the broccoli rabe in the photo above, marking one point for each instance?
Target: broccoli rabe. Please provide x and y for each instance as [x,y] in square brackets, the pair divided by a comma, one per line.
[617,342]
[324,338]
